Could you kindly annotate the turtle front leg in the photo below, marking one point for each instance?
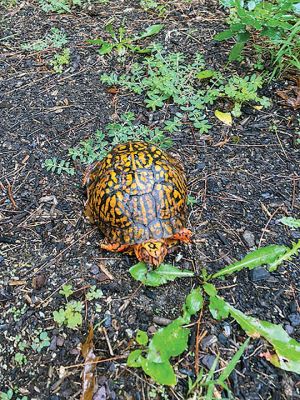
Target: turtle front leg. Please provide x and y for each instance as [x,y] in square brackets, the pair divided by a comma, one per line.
[117,247]
[183,236]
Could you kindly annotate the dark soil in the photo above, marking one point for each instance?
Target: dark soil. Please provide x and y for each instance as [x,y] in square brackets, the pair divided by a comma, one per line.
[245,178]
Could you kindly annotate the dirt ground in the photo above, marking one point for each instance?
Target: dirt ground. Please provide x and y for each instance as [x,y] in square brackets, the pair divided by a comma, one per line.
[242,188]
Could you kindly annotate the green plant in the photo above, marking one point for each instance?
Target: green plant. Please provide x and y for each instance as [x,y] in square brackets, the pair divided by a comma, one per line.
[66,291]
[96,147]
[121,43]
[20,358]
[94,293]
[206,385]
[59,6]
[55,39]
[276,24]
[60,60]
[191,87]
[9,394]
[70,315]
[153,6]
[167,342]
[291,222]
[40,342]
[58,166]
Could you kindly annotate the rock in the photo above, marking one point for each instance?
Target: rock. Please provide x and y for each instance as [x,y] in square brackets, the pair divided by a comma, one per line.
[208,341]
[289,329]
[1,260]
[249,238]
[227,329]
[293,307]
[295,319]
[208,361]
[259,274]
[223,339]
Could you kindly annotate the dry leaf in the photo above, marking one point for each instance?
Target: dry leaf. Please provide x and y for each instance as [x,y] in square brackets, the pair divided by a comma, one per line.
[88,378]
[226,118]
[287,95]
[258,107]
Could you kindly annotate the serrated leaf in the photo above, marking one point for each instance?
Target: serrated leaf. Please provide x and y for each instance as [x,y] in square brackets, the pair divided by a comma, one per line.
[134,359]
[262,256]
[193,303]
[160,276]
[226,118]
[162,373]
[287,349]
[141,337]
[290,221]
[293,251]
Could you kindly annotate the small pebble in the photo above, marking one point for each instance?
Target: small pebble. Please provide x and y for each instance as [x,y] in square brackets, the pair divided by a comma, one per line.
[259,274]
[289,329]
[208,361]
[208,341]
[227,330]
[294,319]
[249,238]
[107,320]
[223,339]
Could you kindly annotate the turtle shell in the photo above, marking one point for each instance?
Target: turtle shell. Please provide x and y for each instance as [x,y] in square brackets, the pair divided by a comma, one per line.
[137,192]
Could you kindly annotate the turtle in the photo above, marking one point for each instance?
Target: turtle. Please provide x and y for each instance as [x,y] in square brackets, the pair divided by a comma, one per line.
[137,195]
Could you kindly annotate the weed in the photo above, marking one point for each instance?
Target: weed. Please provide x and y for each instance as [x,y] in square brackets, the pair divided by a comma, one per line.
[55,39]
[96,147]
[58,166]
[20,359]
[191,87]
[8,4]
[70,315]
[60,60]
[59,6]
[41,341]
[94,294]
[153,6]
[121,43]
[9,395]
[277,25]
[66,291]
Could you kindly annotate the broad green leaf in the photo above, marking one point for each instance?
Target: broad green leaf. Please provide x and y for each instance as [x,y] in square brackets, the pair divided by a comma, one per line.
[261,256]
[134,359]
[293,251]
[95,41]
[141,338]
[169,341]
[159,276]
[208,73]
[162,373]
[236,51]
[287,349]
[150,31]
[290,221]
[193,303]
[105,48]
[227,34]
[226,118]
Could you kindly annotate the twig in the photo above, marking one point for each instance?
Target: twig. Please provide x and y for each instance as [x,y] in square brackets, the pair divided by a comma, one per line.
[10,195]
[96,362]
[267,224]
[197,343]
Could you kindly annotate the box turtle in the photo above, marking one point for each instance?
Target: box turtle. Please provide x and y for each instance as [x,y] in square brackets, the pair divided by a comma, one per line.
[137,196]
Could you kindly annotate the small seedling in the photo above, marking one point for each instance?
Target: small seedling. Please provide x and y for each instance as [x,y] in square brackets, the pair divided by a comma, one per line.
[55,39]
[66,291]
[60,60]
[94,293]
[58,166]
[70,315]
[121,43]
[40,342]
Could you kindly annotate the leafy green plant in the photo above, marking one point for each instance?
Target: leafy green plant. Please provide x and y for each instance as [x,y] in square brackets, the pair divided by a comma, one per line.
[291,222]
[96,147]
[161,275]
[40,342]
[66,291]
[276,24]
[153,6]
[94,293]
[55,39]
[60,60]
[9,394]
[58,166]
[59,6]
[287,350]
[20,358]
[70,315]
[167,342]
[206,385]
[191,87]
[121,43]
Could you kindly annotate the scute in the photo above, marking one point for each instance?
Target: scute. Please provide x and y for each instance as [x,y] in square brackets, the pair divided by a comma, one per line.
[136,193]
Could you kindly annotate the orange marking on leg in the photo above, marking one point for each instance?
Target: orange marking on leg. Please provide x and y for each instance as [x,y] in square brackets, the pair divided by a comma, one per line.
[184,235]
[117,247]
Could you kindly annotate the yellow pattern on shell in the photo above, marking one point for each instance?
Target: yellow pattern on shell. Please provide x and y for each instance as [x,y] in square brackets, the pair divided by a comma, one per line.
[136,193]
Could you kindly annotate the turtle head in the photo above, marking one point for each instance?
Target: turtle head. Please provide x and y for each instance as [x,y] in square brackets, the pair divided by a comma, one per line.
[152,251]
